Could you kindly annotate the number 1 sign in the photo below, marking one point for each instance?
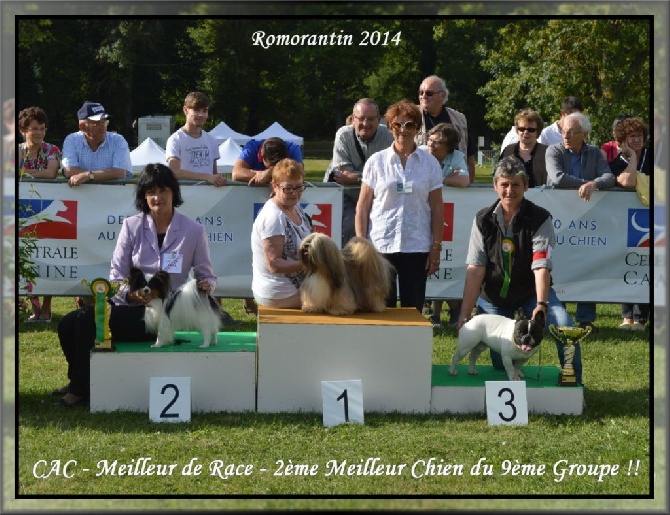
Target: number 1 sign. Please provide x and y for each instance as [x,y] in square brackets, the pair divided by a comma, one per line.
[342,402]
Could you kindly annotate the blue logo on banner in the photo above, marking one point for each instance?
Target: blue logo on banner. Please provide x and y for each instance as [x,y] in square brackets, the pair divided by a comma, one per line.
[638,228]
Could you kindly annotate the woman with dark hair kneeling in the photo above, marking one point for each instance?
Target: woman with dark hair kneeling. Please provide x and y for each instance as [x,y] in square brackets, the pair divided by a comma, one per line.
[157,238]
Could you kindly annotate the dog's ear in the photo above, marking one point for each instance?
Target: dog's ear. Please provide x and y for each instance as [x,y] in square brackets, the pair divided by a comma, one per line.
[136,279]
[520,315]
[540,318]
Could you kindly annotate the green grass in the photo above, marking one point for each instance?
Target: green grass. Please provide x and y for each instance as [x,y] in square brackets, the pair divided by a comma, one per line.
[614,429]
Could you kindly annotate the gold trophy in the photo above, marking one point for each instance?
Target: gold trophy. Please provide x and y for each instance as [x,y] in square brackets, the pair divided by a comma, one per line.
[102,290]
[569,336]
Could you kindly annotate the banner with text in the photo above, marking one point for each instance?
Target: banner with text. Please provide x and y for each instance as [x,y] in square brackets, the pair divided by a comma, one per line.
[602,252]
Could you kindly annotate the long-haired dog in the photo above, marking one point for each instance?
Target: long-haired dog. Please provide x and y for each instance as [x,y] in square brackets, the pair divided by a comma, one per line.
[369,274]
[325,288]
[186,309]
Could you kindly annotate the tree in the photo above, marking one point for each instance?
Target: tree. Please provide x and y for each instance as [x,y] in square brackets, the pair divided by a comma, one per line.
[537,63]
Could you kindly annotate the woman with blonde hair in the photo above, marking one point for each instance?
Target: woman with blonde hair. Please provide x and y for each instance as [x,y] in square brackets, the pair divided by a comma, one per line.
[276,235]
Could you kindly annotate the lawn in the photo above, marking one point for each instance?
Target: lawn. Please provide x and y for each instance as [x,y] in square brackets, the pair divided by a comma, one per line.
[613,430]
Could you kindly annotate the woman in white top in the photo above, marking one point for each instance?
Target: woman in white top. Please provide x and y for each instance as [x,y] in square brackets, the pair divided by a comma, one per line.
[400,206]
[278,230]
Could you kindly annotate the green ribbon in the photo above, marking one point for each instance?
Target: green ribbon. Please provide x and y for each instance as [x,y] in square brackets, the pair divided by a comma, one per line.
[507,255]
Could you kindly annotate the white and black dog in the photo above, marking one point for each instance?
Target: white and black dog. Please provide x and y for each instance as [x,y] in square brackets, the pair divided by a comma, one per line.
[516,341]
[186,309]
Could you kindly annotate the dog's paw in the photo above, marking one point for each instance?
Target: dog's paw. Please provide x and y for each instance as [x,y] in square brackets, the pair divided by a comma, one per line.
[205,345]
[453,371]
[157,344]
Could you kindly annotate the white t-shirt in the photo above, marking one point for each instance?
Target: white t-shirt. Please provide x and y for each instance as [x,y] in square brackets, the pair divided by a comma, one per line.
[400,218]
[196,154]
[272,221]
[551,135]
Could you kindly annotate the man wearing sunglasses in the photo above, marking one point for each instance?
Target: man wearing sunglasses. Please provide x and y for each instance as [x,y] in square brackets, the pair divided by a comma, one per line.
[433,95]
[354,144]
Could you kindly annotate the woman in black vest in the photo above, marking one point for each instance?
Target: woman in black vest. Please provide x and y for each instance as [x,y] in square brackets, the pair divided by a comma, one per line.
[509,259]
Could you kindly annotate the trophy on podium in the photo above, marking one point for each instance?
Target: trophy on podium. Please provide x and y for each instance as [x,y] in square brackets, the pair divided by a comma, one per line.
[569,336]
[102,290]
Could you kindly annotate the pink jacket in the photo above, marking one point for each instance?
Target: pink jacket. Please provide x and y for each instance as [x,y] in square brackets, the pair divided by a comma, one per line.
[137,245]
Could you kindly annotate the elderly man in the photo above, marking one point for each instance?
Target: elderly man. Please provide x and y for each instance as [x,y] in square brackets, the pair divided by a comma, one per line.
[354,144]
[93,154]
[573,164]
[433,95]
[259,157]
[551,135]
[509,259]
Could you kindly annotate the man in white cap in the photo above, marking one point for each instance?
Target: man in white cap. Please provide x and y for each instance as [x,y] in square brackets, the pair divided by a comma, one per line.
[92,154]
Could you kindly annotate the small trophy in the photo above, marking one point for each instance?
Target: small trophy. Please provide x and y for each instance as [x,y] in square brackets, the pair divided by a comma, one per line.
[569,336]
[102,290]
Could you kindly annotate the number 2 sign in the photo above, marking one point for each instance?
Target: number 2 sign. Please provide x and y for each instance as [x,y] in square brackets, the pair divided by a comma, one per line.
[342,402]
[170,399]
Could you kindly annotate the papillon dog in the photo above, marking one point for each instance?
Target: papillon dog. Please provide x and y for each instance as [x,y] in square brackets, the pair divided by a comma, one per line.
[186,309]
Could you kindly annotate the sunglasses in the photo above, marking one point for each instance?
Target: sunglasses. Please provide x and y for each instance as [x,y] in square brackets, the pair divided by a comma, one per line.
[406,126]
[527,129]
[428,93]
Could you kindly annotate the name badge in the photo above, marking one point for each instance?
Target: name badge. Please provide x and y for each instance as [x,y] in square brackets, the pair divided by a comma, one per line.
[403,187]
[172,262]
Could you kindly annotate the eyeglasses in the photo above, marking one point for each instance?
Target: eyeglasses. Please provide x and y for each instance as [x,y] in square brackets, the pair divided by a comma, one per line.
[569,134]
[435,142]
[527,129]
[636,135]
[292,189]
[406,126]
[428,93]
[370,119]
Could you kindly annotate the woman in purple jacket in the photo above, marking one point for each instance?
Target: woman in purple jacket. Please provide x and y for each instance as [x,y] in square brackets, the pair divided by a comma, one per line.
[157,238]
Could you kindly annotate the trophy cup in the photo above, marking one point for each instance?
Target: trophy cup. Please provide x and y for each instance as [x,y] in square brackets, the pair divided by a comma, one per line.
[102,290]
[569,336]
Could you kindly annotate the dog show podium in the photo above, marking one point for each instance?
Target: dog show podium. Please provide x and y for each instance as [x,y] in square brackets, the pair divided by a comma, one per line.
[281,367]
[222,376]
[390,352]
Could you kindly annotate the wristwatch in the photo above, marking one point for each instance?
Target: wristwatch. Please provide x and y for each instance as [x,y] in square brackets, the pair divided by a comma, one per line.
[91,176]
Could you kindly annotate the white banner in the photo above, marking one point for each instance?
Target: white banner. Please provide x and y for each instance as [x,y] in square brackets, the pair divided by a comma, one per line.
[602,251]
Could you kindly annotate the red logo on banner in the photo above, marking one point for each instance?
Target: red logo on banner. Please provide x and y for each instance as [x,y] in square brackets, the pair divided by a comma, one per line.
[321,215]
[49,219]
[448,232]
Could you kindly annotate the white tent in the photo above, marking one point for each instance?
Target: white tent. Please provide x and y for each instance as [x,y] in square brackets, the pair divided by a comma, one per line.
[148,152]
[222,132]
[229,151]
[276,130]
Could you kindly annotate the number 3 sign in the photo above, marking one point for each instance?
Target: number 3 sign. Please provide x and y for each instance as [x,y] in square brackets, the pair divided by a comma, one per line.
[342,402]
[506,403]
[170,399]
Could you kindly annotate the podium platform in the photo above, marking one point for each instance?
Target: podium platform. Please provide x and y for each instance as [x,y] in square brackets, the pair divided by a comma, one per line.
[222,376]
[466,394]
[390,352]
